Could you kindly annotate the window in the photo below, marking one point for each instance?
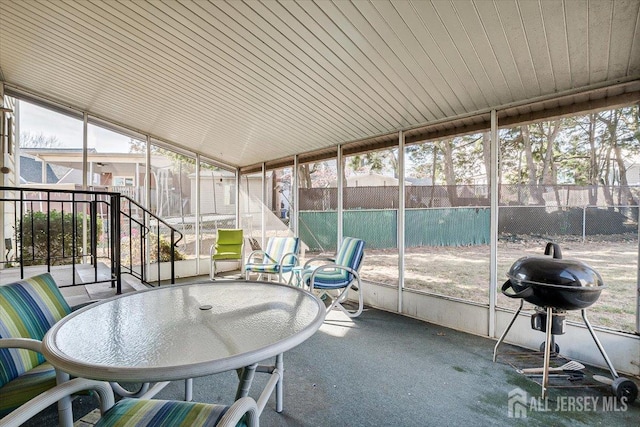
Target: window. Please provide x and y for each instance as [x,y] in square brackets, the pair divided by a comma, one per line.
[447,217]
[370,203]
[574,181]
[317,206]
[123,181]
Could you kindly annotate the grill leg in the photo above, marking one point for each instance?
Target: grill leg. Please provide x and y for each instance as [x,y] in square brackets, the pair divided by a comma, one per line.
[547,352]
[597,341]
[504,334]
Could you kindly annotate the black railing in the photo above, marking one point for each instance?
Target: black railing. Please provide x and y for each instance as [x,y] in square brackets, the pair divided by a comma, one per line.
[149,227]
[84,230]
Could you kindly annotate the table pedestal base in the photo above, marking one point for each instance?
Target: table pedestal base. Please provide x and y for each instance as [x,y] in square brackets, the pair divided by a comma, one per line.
[276,371]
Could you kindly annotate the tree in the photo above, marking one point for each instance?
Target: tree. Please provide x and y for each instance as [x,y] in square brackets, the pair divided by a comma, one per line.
[423,160]
[382,161]
[316,175]
[621,146]
[305,171]
[172,184]
[30,140]
[446,147]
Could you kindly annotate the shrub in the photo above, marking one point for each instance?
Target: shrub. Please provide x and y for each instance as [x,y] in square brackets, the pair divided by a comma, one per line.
[59,227]
[134,258]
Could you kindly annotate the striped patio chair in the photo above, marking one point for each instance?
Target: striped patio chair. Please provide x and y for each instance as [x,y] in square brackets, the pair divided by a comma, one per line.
[28,309]
[280,256]
[339,274]
[142,412]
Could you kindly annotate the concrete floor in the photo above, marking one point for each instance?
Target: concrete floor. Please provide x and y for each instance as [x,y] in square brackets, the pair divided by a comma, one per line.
[385,369]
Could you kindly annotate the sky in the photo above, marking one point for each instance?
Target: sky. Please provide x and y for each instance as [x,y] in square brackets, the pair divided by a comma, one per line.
[37,120]
[68,130]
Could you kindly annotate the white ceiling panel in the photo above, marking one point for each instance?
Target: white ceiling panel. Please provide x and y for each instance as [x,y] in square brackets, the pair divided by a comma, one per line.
[538,45]
[556,40]
[599,38]
[245,82]
[625,16]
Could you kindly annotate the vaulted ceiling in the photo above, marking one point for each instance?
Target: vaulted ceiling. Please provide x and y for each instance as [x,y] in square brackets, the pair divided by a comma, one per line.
[247,82]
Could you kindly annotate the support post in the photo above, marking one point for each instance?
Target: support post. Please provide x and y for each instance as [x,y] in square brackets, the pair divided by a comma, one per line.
[400,218]
[493,260]
[116,268]
[340,169]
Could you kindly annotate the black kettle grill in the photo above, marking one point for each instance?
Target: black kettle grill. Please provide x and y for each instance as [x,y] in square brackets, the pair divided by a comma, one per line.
[555,285]
[551,281]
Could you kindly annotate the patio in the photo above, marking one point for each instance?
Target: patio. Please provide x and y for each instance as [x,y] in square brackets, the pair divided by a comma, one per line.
[360,372]
[451,135]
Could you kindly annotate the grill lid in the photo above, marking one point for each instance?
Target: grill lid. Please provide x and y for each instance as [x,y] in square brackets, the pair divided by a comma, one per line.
[553,282]
[555,271]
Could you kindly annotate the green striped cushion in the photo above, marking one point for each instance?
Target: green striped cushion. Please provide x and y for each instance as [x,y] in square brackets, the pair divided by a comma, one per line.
[263,268]
[28,309]
[349,255]
[161,413]
[26,387]
[276,248]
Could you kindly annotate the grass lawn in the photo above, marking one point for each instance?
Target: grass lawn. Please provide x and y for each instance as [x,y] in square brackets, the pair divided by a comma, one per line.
[463,272]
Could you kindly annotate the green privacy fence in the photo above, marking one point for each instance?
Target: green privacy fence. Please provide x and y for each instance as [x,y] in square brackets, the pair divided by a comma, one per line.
[423,227]
[447,227]
[318,229]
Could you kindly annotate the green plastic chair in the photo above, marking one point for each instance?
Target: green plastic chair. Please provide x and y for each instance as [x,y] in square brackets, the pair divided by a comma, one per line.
[229,246]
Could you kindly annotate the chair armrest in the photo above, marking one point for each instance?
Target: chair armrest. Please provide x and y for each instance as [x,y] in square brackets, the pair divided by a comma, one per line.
[24,343]
[242,406]
[296,260]
[51,396]
[318,259]
[83,305]
[257,252]
[123,392]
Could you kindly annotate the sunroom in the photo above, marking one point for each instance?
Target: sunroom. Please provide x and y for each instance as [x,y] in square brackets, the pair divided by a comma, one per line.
[453,137]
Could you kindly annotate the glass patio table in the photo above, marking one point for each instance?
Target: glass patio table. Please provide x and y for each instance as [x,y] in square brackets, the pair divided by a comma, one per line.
[185,331]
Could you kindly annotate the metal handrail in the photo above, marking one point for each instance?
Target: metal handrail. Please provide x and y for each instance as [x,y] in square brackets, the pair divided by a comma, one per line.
[146,225]
[41,249]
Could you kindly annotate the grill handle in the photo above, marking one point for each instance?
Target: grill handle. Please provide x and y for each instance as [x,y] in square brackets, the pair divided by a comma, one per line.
[557,253]
[525,293]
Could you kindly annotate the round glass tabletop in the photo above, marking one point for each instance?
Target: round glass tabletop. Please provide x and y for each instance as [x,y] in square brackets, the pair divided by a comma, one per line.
[182,331]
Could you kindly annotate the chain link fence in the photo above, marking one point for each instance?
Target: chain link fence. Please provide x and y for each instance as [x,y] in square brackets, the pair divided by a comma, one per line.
[536,211]
[447,238]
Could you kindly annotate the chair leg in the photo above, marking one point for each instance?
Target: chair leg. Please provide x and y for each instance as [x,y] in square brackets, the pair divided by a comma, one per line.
[274,383]
[337,301]
[245,375]
[65,412]
[279,385]
[188,390]
[212,272]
